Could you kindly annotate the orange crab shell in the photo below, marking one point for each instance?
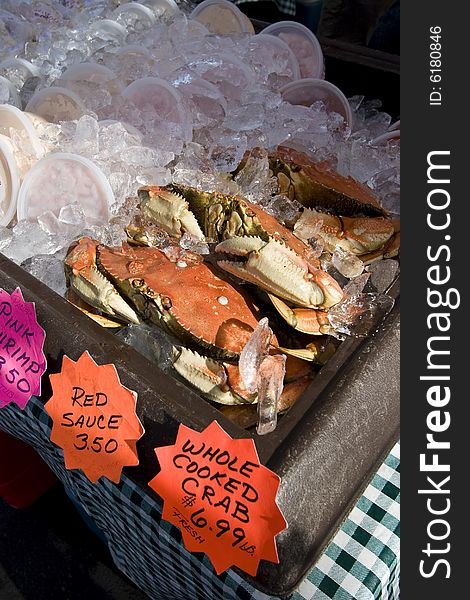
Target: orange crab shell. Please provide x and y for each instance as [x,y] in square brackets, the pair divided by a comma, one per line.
[211,310]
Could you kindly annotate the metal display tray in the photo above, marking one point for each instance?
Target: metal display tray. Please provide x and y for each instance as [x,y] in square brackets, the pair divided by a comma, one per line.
[325,448]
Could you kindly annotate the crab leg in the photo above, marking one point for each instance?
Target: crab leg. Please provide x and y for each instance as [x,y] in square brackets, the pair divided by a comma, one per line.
[207,375]
[306,320]
[169,211]
[274,267]
[91,286]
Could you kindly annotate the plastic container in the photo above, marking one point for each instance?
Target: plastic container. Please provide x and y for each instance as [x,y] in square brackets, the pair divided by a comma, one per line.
[277,45]
[206,99]
[60,179]
[135,16]
[222,17]
[307,91]
[24,476]
[9,93]
[303,44]
[86,71]
[18,71]
[13,118]
[165,100]
[393,134]
[9,181]
[161,7]
[227,72]
[92,74]
[56,104]
[135,62]
[19,29]
[109,31]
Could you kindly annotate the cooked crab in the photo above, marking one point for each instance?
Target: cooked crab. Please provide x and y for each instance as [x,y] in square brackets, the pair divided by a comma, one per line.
[273,258]
[186,297]
[301,179]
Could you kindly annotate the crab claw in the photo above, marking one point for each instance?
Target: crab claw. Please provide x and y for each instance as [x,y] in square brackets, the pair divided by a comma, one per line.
[170,211]
[207,375]
[91,286]
[306,320]
[95,289]
[274,267]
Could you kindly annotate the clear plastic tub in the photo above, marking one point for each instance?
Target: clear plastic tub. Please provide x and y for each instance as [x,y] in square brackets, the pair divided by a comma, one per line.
[391,134]
[109,31]
[273,60]
[9,181]
[204,98]
[160,7]
[56,104]
[162,97]
[222,17]
[134,16]
[18,71]
[303,44]
[87,81]
[8,93]
[61,179]
[87,71]
[308,91]
[13,118]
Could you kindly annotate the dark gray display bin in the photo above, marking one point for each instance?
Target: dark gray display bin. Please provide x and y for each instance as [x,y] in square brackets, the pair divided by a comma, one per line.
[327,447]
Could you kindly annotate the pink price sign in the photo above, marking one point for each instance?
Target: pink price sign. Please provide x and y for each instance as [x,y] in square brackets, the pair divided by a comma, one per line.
[22,360]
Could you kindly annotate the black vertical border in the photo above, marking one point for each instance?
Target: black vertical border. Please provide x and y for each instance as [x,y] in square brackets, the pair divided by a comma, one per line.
[424,129]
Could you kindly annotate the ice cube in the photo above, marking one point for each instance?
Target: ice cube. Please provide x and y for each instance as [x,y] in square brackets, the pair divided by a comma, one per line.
[151,341]
[347,264]
[358,315]
[72,214]
[285,210]
[253,353]
[48,268]
[271,375]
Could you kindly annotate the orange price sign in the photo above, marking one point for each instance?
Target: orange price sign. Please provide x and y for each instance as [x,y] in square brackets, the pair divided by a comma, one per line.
[94,418]
[221,497]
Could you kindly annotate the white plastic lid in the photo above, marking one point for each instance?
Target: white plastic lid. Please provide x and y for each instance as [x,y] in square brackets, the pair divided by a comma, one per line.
[13,118]
[21,64]
[18,71]
[56,104]
[163,97]
[92,73]
[222,17]
[60,179]
[134,11]
[307,91]
[160,7]
[393,134]
[9,92]
[87,71]
[303,44]
[275,42]
[109,30]
[204,95]
[9,181]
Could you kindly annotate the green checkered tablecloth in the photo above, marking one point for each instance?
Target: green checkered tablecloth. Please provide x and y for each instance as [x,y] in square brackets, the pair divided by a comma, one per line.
[361,562]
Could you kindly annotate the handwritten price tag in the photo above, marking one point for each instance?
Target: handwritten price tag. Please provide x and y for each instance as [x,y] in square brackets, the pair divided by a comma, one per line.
[220,496]
[22,360]
[94,418]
